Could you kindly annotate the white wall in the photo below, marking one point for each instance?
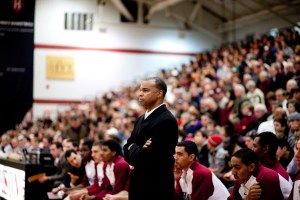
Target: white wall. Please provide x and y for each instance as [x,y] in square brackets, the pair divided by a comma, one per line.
[107,65]
[102,68]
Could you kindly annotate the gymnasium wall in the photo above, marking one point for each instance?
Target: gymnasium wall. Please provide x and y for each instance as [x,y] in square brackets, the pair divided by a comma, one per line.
[108,56]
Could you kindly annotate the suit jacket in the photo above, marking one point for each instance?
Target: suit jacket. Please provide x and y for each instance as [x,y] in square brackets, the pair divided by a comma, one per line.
[62,167]
[152,176]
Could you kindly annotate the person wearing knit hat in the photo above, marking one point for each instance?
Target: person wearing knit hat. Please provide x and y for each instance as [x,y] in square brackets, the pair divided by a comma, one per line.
[215,140]
[217,154]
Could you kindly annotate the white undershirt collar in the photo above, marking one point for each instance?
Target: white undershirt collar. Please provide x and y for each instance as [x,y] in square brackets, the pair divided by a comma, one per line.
[149,113]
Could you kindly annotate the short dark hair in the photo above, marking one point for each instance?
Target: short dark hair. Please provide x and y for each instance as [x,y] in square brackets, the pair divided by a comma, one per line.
[58,145]
[88,143]
[295,102]
[113,146]
[283,142]
[69,152]
[75,143]
[270,139]
[203,133]
[189,146]
[159,83]
[247,156]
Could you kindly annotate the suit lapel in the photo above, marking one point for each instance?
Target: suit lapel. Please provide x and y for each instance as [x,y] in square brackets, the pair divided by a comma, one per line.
[143,123]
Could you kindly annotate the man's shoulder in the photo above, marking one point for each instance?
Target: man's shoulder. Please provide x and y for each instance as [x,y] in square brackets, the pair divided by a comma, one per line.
[163,114]
[200,170]
[265,173]
[120,161]
[168,114]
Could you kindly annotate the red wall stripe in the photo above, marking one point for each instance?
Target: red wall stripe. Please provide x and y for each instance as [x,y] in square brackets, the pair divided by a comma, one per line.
[136,51]
[53,101]
[61,47]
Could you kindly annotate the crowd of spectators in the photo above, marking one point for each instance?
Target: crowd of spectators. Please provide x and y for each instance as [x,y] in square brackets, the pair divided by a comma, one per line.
[221,99]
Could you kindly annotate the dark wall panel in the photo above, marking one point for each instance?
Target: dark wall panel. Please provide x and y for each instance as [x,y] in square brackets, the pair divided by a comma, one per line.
[16,60]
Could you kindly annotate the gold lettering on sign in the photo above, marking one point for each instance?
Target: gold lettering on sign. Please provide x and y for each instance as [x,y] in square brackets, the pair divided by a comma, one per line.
[60,67]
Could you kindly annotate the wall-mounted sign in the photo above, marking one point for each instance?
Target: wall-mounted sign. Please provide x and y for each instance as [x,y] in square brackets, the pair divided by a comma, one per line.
[12,183]
[60,67]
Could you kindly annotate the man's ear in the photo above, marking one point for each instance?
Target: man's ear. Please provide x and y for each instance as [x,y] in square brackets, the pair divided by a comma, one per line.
[251,167]
[266,149]
[192,157]
[160,93]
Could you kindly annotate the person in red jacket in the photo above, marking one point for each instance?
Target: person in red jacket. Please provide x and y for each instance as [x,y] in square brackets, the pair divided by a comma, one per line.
[193,180]
[265,146]
[254,181]
[116,172]
[94,170]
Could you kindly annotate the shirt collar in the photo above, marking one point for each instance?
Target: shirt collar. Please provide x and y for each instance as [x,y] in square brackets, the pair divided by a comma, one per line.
[149,113]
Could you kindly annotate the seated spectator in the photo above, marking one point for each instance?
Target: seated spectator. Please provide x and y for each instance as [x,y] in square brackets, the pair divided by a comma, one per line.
[193,180]
[240,97]
[230,145]
[95,170]
[290,85]
[268,126]
[15,145]
[249,138]
[86,151]
[246,122]
[183,122]
[281,97]
[60,162]
[194,121]
[200,139]
[295,193]
[68,144]
[220,98]
[254,181]
[281,127]
[205,119]
[89,172]
[263,82]
[217,155]
[46,143]
[292,168]
[116,172]
[212,128]
[34,144]
[209,105]
[296,96]
[254,94]
[76,130]
[226,111]
[76,169]
[294,124]
[261,113]
[292,106]
[265,147]
[284,152]
[5,146]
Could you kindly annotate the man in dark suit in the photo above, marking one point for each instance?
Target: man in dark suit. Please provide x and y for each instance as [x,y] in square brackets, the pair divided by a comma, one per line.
[151,145]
